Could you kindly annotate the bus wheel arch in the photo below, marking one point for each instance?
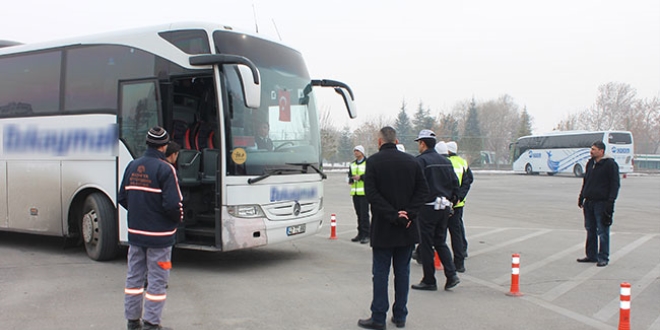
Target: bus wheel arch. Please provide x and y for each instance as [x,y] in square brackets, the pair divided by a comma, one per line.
[93,218]
[578,170]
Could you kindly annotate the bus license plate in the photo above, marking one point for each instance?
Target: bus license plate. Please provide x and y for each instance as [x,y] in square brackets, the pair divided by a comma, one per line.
[295,230]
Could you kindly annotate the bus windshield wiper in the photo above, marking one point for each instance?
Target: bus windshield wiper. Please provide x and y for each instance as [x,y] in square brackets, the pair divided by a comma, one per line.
[305,165]
[278,171]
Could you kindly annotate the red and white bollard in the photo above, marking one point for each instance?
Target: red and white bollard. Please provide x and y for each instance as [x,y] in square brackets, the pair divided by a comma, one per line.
[624,307]
[515,276]
[333,227]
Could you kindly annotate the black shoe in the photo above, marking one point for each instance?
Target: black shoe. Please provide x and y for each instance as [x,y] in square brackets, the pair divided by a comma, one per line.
[364,240]
[356,238]
[602,263]
[452,282]
[149,326]
[585,259]
[424,286]
[399,323]
[134,325]
[370,324]
[460,269]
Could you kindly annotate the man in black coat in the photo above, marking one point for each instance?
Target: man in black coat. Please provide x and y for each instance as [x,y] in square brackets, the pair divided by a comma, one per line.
[396,189]
[600,188]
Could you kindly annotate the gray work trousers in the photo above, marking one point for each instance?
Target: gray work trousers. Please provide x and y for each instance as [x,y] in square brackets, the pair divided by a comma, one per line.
[152,264]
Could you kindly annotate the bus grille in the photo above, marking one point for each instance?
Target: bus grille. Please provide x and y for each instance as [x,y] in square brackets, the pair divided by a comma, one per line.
[286,210]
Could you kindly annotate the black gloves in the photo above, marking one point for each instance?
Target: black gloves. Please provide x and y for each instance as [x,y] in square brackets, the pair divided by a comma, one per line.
[608,213]
[580,201]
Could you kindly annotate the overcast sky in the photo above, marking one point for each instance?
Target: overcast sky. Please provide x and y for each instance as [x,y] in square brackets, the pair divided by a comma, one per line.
[549,56]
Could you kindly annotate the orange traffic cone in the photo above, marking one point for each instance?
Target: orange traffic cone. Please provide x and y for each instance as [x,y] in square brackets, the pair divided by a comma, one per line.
[333,227]
[624,307]
[436,262]
[515,274]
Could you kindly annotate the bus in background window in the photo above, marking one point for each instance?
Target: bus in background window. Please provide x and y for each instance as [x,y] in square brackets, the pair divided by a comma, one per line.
[74,113]
[568,151]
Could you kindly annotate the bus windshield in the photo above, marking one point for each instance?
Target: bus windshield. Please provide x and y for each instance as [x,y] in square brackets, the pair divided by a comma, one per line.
[284,130]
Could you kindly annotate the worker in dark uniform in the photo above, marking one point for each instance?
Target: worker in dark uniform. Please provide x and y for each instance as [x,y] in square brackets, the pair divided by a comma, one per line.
[150,193]
[434,216]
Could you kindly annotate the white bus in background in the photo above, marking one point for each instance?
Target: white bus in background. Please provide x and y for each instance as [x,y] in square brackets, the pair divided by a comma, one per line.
[73,114]
[568,151]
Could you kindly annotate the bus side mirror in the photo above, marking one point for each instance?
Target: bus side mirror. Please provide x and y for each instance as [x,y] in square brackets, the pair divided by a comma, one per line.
[251,90]
[348,101]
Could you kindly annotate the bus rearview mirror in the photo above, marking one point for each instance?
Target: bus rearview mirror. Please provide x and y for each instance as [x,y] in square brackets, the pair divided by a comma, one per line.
[251,90]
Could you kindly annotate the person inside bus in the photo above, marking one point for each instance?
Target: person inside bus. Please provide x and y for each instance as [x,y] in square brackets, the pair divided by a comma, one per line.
[261,138]
[172,152]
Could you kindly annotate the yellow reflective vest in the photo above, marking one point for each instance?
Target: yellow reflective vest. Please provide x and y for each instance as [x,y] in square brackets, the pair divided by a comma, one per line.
[357,187]
[460,166]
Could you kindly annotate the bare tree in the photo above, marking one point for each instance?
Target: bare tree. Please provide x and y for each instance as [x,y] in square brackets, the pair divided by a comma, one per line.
[330,136]
[499,122]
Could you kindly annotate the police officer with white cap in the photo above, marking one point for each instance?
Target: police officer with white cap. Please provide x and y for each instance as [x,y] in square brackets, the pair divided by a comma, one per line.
[356,174]
[443,186]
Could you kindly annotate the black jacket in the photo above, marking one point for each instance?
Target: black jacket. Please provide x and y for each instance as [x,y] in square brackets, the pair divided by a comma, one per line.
[395,182]
[601,180]
[440,175]
[150,192]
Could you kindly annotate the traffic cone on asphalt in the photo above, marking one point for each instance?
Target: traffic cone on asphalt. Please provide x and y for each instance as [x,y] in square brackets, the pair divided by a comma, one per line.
[624,307]
[515,273]
[333,227]
[436,262]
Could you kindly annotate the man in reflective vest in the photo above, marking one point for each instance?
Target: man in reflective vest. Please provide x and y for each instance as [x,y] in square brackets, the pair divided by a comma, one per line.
[356,175]
[150,193]
[456,227]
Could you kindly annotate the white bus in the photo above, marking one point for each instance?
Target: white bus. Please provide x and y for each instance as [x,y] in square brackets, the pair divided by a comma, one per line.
[74,113]
[568,151]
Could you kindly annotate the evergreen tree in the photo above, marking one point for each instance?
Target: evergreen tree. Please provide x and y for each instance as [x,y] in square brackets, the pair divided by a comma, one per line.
[345,152]
[471,141]
[404,129]
[448,128]
[525,127]
[422,119]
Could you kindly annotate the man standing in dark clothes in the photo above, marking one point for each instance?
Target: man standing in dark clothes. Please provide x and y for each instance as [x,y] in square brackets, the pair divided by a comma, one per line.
[396,189]
[434,215]
[600,188]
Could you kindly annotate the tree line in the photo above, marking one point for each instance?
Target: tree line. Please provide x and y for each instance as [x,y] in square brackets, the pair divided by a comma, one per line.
[487,128]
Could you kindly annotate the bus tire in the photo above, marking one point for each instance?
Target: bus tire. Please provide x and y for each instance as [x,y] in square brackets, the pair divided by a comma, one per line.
[98,226]
[578,171]
[528,169]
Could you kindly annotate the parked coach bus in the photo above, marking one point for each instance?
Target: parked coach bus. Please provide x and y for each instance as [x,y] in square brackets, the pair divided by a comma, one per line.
[74,113]
[568,151]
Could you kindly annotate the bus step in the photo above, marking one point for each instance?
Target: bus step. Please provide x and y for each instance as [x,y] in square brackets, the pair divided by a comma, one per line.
[200,231]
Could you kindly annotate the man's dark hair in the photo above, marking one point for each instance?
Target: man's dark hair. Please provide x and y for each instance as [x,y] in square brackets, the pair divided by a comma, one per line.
[388,134]
[599,144]
[172,147]
[430,143]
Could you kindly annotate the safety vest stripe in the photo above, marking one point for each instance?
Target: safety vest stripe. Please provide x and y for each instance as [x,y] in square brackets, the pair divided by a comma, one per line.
[134,291]
[147,189]
[155,297]
[151,233]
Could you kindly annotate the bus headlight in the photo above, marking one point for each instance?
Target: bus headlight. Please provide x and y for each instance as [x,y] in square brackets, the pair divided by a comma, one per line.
[245,211]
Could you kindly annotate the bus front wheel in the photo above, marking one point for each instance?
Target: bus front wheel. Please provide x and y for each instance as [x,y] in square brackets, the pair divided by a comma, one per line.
[99,227]
[528,169]
[578,171]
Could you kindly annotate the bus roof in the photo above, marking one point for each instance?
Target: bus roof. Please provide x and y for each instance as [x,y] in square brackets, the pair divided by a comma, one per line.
[145,38]
[574,132]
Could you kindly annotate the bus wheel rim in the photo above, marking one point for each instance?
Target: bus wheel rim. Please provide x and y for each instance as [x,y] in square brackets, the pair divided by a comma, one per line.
[89,227]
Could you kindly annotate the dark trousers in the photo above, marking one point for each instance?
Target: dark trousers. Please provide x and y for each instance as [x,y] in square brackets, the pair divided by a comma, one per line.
[399,258]
[361,206]
[457,233]
[596,231]
[433,232]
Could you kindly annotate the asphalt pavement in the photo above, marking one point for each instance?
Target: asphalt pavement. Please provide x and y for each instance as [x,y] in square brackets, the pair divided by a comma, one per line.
[319,283]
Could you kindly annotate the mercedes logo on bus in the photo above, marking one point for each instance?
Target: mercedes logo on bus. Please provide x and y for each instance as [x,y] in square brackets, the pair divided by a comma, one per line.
[296,209]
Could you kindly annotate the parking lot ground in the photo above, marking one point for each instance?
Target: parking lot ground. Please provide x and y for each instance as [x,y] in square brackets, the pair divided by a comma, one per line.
[318,283]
